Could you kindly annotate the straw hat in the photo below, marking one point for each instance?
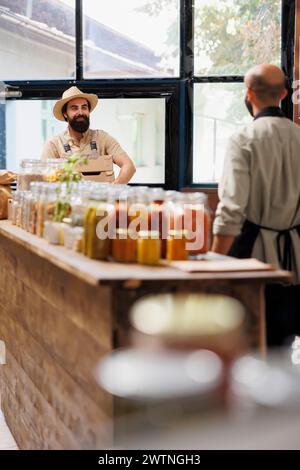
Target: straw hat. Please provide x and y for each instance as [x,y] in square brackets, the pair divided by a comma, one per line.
[71,94]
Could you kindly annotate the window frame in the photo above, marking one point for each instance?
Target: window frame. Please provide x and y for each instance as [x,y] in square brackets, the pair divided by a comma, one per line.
[178,91]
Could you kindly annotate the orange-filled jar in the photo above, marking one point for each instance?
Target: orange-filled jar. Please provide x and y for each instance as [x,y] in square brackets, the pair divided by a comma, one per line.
[124,247]
[197,222]
[148,247]
[176,245]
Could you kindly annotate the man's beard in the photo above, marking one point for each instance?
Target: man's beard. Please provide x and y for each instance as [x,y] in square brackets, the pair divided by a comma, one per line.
[80,126]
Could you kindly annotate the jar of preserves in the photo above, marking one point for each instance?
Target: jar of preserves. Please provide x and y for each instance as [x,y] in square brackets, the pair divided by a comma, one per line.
[176,245]
[30,170]
[148,247]
[197,222]
[96,239]
[124,246]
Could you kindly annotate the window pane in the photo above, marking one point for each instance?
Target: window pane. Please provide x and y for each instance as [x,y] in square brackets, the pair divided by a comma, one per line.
[37,39]
[233,35]
[219,110]
[137,124]
[132,38]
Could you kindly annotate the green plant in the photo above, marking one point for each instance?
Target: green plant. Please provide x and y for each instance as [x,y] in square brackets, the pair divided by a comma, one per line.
[68,175]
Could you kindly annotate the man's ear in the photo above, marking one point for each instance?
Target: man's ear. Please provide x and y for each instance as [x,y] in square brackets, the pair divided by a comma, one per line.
[250,94]
[283,94]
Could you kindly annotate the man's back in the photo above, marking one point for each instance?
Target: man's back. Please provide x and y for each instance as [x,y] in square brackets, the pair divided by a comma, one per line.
[272,147]
[261,183]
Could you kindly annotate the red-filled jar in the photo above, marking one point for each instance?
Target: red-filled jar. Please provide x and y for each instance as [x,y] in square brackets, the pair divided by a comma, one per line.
[155,215]
[138,210]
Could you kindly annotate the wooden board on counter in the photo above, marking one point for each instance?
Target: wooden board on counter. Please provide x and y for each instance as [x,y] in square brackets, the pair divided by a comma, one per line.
[230,265]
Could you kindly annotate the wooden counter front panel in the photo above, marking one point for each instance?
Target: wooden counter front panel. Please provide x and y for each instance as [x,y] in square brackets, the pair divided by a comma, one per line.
[55,328]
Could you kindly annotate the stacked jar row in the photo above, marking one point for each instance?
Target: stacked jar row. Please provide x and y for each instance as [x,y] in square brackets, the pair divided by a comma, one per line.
[126,224]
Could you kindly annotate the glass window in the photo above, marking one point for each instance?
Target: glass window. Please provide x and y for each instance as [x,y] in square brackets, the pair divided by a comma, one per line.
[132,38]
[37,39]
[137,124]
[219,110]
[233,35]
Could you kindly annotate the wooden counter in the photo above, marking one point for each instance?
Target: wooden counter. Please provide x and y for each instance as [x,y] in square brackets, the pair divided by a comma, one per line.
[61,312]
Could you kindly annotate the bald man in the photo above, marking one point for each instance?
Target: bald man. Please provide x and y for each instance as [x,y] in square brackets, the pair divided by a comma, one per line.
[259,210]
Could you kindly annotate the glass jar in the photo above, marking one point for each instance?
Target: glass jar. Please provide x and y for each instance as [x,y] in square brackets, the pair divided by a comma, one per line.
[25,209]
[33,206]
[148,247]
[41,204]
[15,206]
[197,222]
[30,170]
[157,199]
[124,247]
[96,240]
[51,199]
[138,210]
[79,202]
[19,214]
[176,245]
[53,169]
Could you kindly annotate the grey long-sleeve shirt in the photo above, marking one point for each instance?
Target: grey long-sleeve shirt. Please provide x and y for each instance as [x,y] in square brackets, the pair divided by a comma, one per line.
[261,183]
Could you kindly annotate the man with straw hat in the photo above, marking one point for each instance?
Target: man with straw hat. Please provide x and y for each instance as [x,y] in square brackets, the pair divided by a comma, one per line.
[100,148]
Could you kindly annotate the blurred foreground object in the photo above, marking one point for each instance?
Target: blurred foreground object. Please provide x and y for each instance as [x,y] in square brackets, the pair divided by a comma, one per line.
[192,321]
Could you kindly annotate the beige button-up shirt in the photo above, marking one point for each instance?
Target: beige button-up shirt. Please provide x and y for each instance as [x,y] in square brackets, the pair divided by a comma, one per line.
[106,145]
[261,183]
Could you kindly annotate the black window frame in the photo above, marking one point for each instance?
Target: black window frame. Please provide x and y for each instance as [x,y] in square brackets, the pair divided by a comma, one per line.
[177,91]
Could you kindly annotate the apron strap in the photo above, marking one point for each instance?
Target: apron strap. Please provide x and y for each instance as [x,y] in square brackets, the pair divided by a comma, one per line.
[243,244]
[66,145]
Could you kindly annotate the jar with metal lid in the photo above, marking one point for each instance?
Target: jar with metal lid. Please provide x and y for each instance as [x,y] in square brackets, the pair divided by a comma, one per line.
[30,170]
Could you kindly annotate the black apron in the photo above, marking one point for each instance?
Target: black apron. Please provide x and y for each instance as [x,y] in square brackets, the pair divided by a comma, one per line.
[243,244]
